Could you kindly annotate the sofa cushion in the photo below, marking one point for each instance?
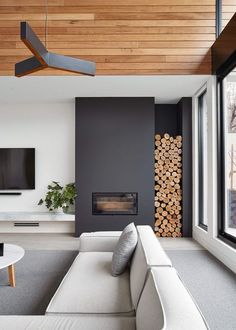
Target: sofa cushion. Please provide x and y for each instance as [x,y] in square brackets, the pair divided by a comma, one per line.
[148,253]
[124,250]
[166,304]
[99,241]
[66,323]
[88,287]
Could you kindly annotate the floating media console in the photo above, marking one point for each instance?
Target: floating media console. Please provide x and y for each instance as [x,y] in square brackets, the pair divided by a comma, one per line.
[35,216]
[115,203]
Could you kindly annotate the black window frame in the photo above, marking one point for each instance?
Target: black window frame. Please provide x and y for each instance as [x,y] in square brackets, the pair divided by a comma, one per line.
[201,161]
[218,17]
[221,202]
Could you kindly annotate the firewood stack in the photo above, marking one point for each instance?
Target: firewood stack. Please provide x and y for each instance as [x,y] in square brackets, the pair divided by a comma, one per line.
[168,193]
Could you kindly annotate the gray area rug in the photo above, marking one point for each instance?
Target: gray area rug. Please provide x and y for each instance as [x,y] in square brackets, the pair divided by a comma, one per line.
[212,285]
[38,275]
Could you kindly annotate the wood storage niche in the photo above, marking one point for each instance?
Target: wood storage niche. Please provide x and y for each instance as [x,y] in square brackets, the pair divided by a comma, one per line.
[168,192]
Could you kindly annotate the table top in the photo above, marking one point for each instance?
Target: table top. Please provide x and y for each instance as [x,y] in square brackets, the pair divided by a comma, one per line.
[12,254]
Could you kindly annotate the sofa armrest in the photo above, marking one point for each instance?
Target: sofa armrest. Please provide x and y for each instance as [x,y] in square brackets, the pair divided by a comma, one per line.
[99,241]
[165,303]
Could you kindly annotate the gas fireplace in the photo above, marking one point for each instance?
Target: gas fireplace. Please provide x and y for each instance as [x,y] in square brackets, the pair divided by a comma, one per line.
[114,203]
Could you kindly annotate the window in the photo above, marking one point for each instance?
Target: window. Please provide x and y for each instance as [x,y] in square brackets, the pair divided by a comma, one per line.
[227,158]
[202,156]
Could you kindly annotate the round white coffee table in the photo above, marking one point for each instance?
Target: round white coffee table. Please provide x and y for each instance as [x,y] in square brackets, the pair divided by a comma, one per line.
[12,254]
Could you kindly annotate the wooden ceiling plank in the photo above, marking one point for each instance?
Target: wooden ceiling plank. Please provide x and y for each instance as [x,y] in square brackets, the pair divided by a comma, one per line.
[147,66]
[119,72]
[229,2]
[106,16]
[135,72]
[139,51]
[128,59]
[132,23]
[112,9]
[111,23]
[16,3]
[133,9]
[127,44]
[118,37]
[16,23]
[227,16]
[228,9]
[139,2]
[131,37]
[154,16]
[114,30]
[121,52]
[42,17]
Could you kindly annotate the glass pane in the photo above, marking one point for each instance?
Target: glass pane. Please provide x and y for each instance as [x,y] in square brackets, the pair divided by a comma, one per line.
[203,188]
[230,152]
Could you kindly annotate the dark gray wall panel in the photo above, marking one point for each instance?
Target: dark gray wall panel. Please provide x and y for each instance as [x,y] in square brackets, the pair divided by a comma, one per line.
[185,126]
[166,119]
[114,153]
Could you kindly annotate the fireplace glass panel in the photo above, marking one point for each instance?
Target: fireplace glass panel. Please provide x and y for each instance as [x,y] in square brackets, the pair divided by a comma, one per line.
[115,203]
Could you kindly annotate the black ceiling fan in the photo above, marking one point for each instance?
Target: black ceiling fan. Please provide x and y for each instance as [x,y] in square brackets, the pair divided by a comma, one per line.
[44,59]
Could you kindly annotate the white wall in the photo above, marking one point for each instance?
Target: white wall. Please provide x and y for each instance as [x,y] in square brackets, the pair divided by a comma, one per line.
[50,129]
[209,238]
[165,89]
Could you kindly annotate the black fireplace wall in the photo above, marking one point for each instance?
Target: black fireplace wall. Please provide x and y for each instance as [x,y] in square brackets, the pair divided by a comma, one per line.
[114,153]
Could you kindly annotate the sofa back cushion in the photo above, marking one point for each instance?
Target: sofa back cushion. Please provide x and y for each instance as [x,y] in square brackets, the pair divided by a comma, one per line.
[148,253]
[166,304]
[99,241]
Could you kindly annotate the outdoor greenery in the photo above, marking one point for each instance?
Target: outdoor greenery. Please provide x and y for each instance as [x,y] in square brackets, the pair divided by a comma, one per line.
[59,197]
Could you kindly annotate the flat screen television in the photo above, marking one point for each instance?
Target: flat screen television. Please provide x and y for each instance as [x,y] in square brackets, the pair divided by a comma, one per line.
[17,168]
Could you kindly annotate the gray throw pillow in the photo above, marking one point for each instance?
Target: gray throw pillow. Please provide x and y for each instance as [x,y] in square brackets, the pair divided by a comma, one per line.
[124,250]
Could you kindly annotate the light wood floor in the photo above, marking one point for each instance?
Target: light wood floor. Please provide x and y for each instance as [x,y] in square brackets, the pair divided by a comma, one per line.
[69,242]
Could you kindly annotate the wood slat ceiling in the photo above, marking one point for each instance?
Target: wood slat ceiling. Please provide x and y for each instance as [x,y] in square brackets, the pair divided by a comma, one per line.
[228,10]
[134,37]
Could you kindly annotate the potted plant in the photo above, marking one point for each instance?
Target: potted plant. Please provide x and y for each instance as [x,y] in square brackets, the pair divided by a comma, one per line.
[58,197]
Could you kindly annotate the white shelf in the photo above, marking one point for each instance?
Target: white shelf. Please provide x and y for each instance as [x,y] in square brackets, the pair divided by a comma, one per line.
[35,216]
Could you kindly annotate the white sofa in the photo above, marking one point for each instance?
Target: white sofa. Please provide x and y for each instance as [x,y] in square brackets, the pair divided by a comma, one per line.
[147,296]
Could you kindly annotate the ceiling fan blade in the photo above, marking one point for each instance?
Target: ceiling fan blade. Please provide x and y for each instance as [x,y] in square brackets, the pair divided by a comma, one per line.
[34,44]
[28,66]
[71,64]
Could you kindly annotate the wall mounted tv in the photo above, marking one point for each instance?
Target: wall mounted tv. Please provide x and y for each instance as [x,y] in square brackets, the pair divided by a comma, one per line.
[17,168]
